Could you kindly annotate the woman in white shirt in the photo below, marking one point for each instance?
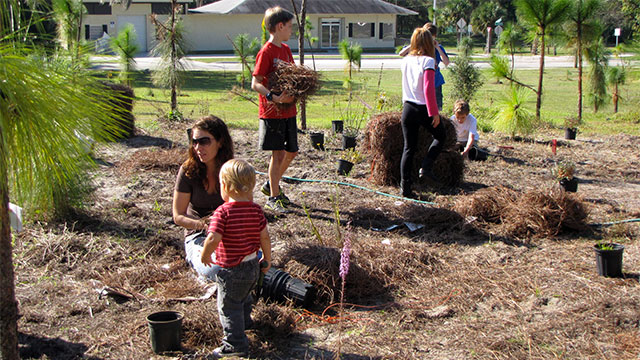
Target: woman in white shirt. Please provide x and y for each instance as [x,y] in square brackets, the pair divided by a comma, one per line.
[419,108]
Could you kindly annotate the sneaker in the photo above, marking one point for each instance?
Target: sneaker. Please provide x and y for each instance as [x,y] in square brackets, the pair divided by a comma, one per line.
[266,189]
[222,352]
[426,173]
[276,204]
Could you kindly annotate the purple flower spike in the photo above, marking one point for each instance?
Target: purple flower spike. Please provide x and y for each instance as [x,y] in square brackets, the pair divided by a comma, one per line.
[346,253]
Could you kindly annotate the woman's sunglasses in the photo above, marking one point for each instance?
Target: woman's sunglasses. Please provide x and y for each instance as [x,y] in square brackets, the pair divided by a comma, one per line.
[203,141]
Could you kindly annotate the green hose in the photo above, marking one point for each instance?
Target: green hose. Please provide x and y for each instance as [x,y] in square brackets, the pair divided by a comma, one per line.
[354,186]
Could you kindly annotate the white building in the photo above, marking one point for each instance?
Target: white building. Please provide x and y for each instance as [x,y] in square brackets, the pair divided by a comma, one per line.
[371,23]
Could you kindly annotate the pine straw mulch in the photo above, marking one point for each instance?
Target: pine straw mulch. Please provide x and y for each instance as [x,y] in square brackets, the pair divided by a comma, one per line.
[299,81]
[457,288]
[383,144]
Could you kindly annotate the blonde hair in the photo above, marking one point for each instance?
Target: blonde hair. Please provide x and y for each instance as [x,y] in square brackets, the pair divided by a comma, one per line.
[238,175]
[461,106]
[422,43]
[274,16]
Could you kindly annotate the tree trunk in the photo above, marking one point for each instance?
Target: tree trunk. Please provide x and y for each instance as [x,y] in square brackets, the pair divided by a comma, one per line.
[539,94]
[174,95]
[579,44]
[8,304]
[615,98]
[301,28]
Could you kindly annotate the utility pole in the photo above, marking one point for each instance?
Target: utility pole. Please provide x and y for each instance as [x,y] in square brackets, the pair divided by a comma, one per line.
[434,12]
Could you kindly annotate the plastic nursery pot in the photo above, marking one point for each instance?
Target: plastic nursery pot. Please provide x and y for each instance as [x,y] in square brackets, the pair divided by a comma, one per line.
[570,133]
[477,154]
[348,142]
[337,126]
[165,331]
[570,185]
[280,286]
[344,167]
[609,261]
[317,140]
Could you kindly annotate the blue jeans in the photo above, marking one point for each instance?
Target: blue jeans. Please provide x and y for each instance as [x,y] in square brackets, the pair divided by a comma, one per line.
[235,302]
[193,249]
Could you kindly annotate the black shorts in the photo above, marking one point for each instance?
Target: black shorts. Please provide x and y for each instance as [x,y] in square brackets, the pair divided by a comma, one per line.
[279,134]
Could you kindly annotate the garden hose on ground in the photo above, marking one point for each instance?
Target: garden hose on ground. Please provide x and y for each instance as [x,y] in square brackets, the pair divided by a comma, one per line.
[354,186]
[415,200]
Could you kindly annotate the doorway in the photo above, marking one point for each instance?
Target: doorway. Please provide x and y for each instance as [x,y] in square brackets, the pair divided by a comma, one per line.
[330,33]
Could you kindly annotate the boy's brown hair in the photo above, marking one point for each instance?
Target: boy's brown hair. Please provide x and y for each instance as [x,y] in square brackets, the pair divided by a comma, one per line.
[422,43]
[274,16]
[432,29]
[461,106]
[238,175]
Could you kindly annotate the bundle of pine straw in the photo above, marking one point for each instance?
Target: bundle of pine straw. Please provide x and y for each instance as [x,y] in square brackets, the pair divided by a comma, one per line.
[384,145]
[532,214]
[296,80]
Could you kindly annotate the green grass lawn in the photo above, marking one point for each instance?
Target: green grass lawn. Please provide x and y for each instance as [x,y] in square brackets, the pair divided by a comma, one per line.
[208,93]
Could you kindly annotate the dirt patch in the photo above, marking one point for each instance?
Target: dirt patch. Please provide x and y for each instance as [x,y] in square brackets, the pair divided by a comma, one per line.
[454,288]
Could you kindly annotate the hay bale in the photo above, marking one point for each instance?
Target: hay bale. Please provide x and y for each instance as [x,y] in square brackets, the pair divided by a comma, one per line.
[296,80]
[535,213]
[121,99]
[384,142]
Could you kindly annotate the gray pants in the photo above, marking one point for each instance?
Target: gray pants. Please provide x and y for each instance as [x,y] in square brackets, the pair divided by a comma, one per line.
[235,302]
[193,250]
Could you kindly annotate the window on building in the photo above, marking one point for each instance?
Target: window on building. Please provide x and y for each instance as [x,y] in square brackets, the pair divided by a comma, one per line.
[94,32]
[362,30]
[165,8]
[386,31]
[98,9]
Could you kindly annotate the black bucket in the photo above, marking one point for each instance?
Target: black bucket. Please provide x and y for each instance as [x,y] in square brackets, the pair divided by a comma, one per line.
[570,133]
[165,331]
[609,262]
[570,185]
[348,142]
[317,140]
[344,167]
[337,126]
[477,154]
[280,286]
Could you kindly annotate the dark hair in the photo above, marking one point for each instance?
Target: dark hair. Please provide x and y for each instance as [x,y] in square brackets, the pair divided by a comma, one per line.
[274,16]
[193,167]
[422,43]
[432,28]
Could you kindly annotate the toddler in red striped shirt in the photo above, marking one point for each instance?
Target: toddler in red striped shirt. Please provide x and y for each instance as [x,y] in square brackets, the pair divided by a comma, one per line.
[238,229]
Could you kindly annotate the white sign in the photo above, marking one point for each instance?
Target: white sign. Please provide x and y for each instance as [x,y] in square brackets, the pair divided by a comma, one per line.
[616,32]
[461,23]
[498,30]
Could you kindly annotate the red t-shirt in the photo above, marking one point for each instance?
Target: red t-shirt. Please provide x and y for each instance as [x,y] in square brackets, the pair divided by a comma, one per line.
[266,61]
[240,224]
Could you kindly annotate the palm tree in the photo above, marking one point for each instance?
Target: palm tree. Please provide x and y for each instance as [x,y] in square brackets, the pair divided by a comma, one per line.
[125,45]
[245,49]
[597,55]
[68,16]
[540,15]
[508,41]
[616,76]
[582,25]
[352,53]
[43,109]
[171,48]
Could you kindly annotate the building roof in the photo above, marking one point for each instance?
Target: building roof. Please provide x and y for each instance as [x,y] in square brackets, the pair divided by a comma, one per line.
[313,7]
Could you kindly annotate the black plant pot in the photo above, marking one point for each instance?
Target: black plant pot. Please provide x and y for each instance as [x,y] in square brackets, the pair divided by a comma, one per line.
[165,331]
[570,133]
[570,185]
[344,167]
[337,126]
[348,142]
[609,262]
[317,140]
[280,286]
[477,154]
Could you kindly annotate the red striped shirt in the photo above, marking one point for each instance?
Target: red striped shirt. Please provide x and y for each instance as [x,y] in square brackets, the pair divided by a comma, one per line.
[240,224]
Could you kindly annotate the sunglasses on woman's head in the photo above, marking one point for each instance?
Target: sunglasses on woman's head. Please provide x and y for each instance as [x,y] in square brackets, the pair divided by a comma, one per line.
[203,141]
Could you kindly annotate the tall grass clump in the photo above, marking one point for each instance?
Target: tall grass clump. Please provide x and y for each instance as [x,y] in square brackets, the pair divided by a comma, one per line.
[513,117]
